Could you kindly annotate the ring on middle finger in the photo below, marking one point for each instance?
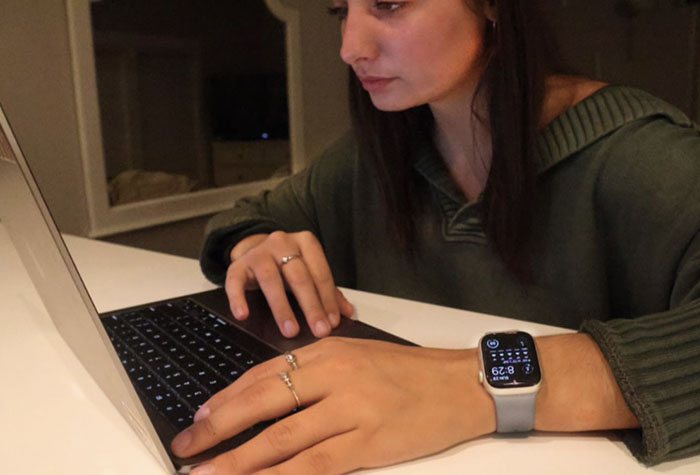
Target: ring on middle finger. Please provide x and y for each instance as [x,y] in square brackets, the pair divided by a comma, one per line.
[284,376]
[290,358]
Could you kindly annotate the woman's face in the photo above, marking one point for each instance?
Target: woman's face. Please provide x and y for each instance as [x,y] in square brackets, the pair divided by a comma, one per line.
[412,52]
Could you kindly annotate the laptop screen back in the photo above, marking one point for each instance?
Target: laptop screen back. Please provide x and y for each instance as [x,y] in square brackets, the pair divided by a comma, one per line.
[45,256]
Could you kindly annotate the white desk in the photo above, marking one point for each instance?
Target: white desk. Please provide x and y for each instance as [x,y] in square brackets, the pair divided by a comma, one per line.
[55,420]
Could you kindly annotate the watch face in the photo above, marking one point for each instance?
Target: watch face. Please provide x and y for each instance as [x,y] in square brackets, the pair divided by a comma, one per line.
[510,360]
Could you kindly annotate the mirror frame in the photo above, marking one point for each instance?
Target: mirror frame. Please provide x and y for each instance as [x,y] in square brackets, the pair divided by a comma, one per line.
[104,219]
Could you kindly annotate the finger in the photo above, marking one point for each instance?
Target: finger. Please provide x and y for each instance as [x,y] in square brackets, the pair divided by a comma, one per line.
[339,454]
[285,438]
[317,264]
[346,308]
[270,281]
[302,285]
[237,279]
[268,369]
[261,401]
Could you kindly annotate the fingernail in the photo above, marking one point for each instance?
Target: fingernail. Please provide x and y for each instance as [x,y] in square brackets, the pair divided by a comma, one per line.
[289,328]
[182,441]
[322,328]
[203,412]
[238,313]
[354,314]
[207,469]
[335,319]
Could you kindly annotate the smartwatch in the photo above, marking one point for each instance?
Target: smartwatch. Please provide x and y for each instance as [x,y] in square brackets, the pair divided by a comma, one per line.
[510,372]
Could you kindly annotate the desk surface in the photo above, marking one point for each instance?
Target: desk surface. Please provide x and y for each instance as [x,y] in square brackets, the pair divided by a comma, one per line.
[56,420]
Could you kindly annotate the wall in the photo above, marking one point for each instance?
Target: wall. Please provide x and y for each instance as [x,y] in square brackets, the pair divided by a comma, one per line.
[324,77]
[651,44]
[36,91]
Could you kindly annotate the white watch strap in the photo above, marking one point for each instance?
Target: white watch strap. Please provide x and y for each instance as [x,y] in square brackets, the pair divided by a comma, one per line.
[515,413]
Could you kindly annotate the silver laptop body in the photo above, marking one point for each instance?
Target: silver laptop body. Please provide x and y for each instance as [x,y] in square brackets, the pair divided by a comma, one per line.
[50,266]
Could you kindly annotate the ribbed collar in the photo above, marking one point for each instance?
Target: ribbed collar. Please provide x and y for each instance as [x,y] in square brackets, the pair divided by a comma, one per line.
[597,115]
[604,111]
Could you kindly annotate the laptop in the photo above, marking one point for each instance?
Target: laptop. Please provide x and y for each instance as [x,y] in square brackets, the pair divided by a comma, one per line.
[157,362]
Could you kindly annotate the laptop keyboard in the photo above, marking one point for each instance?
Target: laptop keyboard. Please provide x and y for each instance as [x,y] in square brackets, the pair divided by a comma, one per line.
[178,355]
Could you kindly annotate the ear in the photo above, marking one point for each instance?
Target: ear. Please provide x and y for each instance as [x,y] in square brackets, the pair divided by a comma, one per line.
[490,11]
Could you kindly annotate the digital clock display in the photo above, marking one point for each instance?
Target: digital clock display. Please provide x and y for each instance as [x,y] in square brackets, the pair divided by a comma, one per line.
[510,360]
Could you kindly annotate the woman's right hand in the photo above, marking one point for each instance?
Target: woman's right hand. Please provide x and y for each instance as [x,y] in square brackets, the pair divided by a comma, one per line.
[257,262]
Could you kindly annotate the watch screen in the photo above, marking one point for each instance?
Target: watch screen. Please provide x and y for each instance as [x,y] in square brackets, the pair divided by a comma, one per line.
[510,360]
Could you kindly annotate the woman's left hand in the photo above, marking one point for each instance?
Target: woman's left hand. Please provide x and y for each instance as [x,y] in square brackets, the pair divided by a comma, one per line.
[365,404]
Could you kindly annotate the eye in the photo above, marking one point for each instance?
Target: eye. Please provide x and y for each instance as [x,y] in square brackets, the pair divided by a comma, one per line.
[389,6]
[383,7]
[340,12]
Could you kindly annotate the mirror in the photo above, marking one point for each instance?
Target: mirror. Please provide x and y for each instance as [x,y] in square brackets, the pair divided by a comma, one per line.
[192,95]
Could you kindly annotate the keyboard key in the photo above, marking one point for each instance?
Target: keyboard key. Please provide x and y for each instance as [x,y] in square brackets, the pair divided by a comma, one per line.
[177,355]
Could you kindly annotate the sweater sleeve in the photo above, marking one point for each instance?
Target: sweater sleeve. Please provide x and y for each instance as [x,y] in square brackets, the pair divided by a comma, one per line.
[306,201]
[649,207]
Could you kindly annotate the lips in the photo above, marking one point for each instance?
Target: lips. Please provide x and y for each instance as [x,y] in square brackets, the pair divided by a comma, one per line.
[374,83]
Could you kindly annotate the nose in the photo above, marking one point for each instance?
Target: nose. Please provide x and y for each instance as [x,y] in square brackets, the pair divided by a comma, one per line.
[359,41]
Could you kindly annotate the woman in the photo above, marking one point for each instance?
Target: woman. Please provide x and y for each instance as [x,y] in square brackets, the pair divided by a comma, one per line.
[478,180]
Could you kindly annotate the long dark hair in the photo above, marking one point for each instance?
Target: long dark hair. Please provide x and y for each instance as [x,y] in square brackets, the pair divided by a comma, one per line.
[517,56]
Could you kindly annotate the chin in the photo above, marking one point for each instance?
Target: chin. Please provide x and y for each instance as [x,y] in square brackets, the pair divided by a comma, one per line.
[386,104]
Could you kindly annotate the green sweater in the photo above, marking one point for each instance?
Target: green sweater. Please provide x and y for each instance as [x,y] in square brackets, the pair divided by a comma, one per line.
[617,252]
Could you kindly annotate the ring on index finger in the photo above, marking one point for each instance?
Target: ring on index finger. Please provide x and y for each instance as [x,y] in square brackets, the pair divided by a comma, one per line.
[287,259]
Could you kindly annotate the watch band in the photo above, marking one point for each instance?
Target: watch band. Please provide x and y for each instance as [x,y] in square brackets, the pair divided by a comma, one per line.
[515,413]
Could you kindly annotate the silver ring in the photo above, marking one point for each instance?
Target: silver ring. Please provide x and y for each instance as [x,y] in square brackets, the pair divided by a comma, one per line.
[284,376]
[288,258]
[291,359]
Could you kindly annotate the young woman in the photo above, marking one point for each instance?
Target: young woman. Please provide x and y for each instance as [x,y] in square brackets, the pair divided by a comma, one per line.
[476,178]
